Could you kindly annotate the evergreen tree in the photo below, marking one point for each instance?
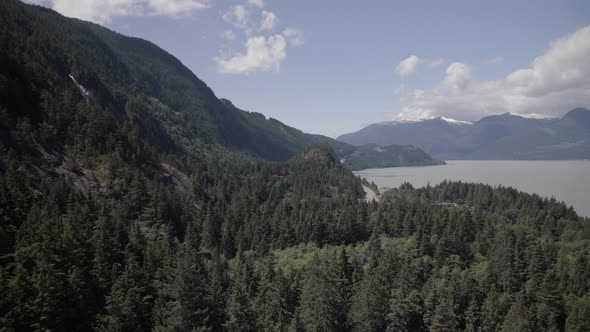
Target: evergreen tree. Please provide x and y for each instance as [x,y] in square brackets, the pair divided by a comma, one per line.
[240,314]
[322,301]
[369,301]
[271,300]
[518,318]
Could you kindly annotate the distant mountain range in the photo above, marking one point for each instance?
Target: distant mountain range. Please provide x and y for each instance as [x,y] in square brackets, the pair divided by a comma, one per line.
[274,140]
[504,136]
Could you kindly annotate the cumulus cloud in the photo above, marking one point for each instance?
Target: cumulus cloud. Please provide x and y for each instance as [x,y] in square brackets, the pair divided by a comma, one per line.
[294,36]
[556,81]
[238,16]
[174,7]
[257,3]
[102,11]
[409,65]
[262,54]
[268,21]
[458,75]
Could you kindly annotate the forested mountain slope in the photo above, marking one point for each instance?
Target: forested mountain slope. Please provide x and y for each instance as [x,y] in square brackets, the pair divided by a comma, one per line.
[126,205]
[278,139]
[50,60]
[375,156]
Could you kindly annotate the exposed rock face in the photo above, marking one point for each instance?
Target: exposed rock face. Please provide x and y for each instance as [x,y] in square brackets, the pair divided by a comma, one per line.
[371,195]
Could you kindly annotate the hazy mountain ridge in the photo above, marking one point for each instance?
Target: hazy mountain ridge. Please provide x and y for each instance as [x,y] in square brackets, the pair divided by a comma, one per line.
[375,156]
[503,136]
[284,142]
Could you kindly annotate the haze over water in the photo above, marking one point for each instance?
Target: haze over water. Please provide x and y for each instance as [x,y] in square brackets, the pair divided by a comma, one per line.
[566,180]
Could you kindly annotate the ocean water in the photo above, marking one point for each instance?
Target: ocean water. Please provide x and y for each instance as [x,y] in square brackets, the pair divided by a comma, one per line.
[566,180]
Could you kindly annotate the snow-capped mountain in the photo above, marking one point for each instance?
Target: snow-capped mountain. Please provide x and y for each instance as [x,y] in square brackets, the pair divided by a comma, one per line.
[441,118]
[503,136]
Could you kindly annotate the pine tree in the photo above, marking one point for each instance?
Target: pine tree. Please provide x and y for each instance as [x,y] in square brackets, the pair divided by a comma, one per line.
[128,304]
[240,314]
[271,299]
[190,289]
[217,291]
[210,229]
[444,318]
[104,246]
[473,317]
[321,301]
[580,284]
[549,305]
[578,314]
[369,302]
[518,318]
[405,312]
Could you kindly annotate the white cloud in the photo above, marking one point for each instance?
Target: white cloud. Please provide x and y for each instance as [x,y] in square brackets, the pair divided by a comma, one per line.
[102,11]
[555,82]
[174,7]
[238,16]
[268,21]
[457,76]
[409,65]
[262,54]
[294,36]
[257,3]
[38,2]
[436,62]
[494,61]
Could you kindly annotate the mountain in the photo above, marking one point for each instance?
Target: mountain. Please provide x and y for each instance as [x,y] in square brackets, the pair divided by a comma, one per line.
[281,142]
[375,156]
[133,199]
[276,141]
[132,79]
[435,135]
[503,136]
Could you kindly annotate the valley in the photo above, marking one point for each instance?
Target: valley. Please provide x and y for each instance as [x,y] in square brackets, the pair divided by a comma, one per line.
[132,198]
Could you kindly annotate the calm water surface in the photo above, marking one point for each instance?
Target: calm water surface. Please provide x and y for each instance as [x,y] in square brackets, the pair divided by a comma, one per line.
[566,180]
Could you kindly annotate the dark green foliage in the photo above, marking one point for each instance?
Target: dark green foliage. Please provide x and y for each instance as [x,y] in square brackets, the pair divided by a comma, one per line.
[129,209]
[454,256]
[274,140]
[374,156]
[324,296]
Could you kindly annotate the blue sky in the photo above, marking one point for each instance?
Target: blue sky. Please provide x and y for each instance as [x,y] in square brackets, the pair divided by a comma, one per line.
[331,67]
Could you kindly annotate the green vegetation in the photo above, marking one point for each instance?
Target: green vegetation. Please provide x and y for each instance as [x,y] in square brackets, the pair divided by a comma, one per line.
[137,204]
[280,142]
[47,60]
[374,156]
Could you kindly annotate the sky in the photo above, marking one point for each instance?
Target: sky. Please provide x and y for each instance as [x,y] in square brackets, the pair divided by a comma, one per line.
[333,66]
